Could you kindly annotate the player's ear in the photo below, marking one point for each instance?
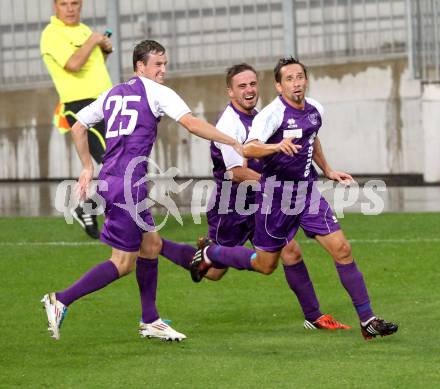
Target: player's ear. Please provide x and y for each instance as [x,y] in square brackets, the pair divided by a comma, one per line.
[139,66]
[278,87]
[230,93]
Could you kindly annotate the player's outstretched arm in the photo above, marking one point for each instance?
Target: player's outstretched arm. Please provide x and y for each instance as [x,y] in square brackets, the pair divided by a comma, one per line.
[242,173]
[319,159]
[205,130]
[257,149]
[79,136]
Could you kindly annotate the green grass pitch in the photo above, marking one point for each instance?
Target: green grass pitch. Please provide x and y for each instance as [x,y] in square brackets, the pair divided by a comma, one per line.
[243,332]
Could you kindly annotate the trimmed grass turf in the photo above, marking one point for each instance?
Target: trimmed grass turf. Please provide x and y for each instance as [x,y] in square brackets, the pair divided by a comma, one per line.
[243,332]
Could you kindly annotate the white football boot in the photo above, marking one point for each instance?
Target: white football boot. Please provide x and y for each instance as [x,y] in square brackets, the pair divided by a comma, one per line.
[159,329]
[56,312]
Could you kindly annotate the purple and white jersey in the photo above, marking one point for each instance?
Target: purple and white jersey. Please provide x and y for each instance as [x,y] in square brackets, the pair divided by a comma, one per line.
[132,111]
[232,229]
[237,125]
[280,120]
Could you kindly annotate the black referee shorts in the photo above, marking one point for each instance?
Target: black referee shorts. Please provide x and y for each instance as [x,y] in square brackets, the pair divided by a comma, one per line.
[95,135]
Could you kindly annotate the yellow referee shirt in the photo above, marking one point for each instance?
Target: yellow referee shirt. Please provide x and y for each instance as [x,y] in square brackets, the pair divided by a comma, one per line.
[58,43]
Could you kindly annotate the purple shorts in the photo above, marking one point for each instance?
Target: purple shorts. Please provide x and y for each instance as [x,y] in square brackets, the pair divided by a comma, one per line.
[274,228]
[230,230]
[124,223]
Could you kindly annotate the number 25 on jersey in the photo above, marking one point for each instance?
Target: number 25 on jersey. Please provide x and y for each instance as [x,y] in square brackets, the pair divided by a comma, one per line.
[119,109]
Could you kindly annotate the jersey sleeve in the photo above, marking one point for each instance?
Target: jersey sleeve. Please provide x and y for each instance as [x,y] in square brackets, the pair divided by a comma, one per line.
[228,124]
[55,45]
[266,123]
[92,113]
[317,105]
[230,157]
[164,101]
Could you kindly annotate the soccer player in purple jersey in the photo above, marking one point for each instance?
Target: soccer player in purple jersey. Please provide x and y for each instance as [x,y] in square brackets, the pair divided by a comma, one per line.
[229,226]
[131,111]
[288,170]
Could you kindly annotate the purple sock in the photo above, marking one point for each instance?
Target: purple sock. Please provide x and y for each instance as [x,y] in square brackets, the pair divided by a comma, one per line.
[238,257]
[146,275]
[180,254]
[299,281]
[95,279]
[354,283]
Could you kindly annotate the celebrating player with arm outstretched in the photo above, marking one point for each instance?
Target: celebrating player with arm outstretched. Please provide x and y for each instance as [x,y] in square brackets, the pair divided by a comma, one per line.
[285,133]
[131,112]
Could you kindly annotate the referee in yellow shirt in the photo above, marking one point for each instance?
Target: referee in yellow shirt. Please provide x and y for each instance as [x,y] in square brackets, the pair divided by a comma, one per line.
[75,58]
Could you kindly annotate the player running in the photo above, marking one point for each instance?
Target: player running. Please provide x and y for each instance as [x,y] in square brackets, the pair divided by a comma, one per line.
[131,111]
[229,226]
[288,170]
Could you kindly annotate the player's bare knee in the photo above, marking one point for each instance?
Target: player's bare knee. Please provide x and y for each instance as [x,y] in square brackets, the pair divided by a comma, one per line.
[269,268]
[151,249]
[124,265]
[158,246]
[215,274]
[291,255]
[342,252]
[130,266]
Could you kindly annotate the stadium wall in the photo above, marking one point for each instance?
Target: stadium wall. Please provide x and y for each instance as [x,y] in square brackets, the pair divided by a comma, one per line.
[375,123]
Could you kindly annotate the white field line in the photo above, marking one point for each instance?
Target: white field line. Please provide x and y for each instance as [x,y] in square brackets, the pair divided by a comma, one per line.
[301,241]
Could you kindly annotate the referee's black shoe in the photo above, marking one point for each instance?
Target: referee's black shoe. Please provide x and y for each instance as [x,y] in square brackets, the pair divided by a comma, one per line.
[86,221]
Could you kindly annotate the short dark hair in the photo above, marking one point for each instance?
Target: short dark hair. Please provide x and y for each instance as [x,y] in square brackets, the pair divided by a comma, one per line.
[284,62]
[143,49]
[236,69]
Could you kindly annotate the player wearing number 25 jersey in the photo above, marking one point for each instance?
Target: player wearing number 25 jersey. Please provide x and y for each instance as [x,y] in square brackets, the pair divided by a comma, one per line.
[131,112]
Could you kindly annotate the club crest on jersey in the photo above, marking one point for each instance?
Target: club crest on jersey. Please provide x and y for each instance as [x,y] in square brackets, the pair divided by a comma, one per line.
[291,123]
[313,118]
